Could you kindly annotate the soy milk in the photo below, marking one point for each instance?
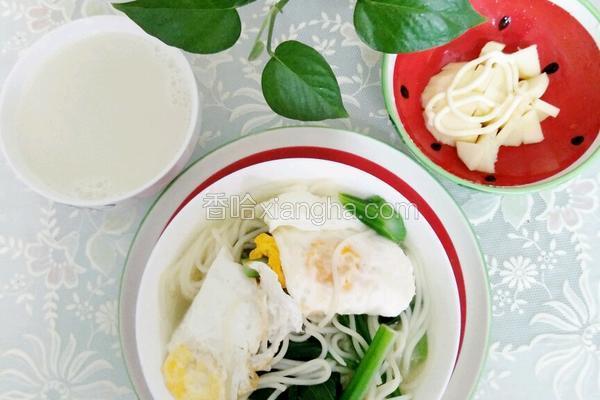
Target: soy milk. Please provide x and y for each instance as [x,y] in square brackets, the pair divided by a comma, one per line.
[103,116]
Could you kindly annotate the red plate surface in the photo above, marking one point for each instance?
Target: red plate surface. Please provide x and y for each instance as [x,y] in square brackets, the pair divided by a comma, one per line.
[574,88]
[369,167]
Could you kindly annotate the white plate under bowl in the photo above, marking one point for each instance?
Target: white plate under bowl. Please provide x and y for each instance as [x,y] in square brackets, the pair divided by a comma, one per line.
[444,327]
[393,173]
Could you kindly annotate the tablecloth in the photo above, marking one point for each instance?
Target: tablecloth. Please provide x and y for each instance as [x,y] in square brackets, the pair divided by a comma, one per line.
[60,266]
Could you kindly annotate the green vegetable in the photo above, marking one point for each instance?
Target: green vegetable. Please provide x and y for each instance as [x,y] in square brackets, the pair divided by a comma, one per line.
[298,83]
[418,356]
[419,353]
[327,390]
[405,26]
[362,326]
[377,214]
[250,272]
[197,26]
[304,351]
[368,369]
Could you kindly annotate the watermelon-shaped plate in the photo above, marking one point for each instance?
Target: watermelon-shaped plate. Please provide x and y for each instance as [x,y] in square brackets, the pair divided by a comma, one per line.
[566,33]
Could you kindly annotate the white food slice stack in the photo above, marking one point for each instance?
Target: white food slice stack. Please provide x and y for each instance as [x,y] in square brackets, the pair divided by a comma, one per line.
[499,99]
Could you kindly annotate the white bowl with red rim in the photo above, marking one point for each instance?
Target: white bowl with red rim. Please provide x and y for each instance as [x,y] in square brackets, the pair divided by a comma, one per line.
[460,319]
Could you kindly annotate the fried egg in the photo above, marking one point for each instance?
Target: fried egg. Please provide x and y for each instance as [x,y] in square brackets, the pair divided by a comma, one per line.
[339,266]
[345,272]
[216,350]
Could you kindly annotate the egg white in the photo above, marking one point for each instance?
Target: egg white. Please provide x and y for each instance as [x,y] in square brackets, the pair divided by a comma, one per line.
[231,318]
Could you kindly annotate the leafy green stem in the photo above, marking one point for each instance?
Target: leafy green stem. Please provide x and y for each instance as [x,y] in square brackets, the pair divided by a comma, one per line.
[269,22]
[277,8]
[369,366]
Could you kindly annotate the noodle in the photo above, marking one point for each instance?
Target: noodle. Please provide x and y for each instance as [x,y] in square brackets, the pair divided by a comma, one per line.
[339,343]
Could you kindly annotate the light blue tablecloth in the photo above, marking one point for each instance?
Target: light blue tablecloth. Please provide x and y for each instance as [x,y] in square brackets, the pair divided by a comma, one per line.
[60,267]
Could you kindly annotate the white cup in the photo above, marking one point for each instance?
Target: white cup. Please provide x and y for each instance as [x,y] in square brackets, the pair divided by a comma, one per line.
[47,46]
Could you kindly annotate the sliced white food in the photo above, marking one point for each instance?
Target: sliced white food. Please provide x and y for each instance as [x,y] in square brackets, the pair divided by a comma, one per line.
[491,47]
[545,109]
[531,128]
[536,87]
[496,88]
[457,124]
[440,137]
[476,74]
[470,154]
[440,82]
[467,139]
[490,153]
[510,134]
[450,140]
[467,109]
[479,156]
[508,107]
[521,129]
[528,62]
[489,102]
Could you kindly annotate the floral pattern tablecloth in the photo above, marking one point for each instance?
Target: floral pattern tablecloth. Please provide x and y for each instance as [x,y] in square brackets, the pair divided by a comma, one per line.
[60,267]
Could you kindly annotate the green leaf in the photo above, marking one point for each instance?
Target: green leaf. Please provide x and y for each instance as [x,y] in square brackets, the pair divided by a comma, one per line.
[405,26]
[327,390]
[362,326]
[298,83]
[377,214]
[304,351]
[197,26]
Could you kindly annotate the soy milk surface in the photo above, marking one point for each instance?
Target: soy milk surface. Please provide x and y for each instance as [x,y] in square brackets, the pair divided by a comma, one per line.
[103,116]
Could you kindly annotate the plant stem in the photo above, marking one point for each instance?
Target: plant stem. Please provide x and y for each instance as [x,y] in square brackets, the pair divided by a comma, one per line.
[269,21]
[277,8]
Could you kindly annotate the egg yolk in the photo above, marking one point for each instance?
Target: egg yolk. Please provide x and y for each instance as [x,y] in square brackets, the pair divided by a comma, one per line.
[188,378]
[267,247]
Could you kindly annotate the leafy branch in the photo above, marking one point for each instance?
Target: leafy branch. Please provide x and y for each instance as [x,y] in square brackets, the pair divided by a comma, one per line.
[297,82]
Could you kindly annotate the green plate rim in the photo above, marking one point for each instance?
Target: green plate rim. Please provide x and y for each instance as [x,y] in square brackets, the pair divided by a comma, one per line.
[153,204]
[388,97]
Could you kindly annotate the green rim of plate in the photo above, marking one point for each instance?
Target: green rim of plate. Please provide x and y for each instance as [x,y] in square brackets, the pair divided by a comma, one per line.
[551,182]
[471,232]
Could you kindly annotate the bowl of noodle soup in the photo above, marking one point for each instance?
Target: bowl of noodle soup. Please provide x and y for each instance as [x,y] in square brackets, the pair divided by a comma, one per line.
[191,325]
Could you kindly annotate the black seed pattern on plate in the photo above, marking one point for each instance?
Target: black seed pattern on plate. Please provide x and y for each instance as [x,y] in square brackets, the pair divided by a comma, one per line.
[404,91]
[551,68]
[490,178]
[504,22]
[436,146]
[577,140]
